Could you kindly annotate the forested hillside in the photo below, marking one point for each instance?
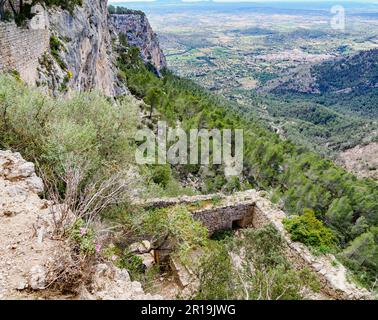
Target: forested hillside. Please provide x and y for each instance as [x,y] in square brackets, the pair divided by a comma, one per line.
[341,109]
[299,180]
[350,84]
[357,73]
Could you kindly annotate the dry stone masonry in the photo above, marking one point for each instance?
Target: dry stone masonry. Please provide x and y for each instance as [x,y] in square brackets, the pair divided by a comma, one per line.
[252,208]
[86,61]
[86,54]
[21,48]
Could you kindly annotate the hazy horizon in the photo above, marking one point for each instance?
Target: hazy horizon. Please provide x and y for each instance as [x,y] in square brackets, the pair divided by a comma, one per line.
[354,6]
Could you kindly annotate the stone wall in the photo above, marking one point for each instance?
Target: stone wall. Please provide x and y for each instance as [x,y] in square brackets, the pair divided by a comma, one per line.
[21,48]
[225,218]
[86,60]
[253,209]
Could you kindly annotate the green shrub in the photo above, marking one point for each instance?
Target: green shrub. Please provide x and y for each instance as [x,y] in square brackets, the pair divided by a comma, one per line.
[233,184]
[340,215]
[361,256]
[177,224]
[263,273]
[216,278]
[85,128]
[56,46]
[64,4]
[310,231]
[8,16]
[23,14]
[123,39]
[161,174]
[216,200]
[16,75]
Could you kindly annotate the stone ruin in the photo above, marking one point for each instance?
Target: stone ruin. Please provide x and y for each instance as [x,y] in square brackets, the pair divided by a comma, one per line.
[252,209]
[22,47]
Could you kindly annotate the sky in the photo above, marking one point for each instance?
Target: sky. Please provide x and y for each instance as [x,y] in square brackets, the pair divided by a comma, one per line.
[362,1]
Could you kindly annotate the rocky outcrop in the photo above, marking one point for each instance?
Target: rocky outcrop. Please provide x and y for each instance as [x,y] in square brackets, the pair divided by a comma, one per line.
[63,51]
[24,243]
[30,255]
[138,31]
[111,283]
[361,160]
[85,59]
[60,50]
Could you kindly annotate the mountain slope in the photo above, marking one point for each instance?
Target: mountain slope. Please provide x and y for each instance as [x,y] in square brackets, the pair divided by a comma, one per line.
[348,84]
[357,74]
[341,211]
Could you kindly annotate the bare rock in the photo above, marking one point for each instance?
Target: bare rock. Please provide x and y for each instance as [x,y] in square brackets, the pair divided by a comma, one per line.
[37,277]
[25,224]
[136,27]
[112,283]
[147,260]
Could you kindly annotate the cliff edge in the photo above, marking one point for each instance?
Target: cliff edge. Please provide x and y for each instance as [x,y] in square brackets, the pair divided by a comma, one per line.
[62,51]
[138,31]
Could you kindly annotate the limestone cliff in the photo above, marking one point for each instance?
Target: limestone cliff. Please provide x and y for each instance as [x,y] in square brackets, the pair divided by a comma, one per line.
[62,50]
[85,55]
[137,29]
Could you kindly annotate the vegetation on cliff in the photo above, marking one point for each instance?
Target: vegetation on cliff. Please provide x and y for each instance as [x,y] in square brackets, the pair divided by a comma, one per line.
[252,266]
[123,10]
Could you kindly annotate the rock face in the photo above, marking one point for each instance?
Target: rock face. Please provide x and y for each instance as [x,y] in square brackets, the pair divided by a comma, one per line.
[82,58]
[86,49]
[361,160]
[24,243]
[60,50]
[13,169]
[137,29]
